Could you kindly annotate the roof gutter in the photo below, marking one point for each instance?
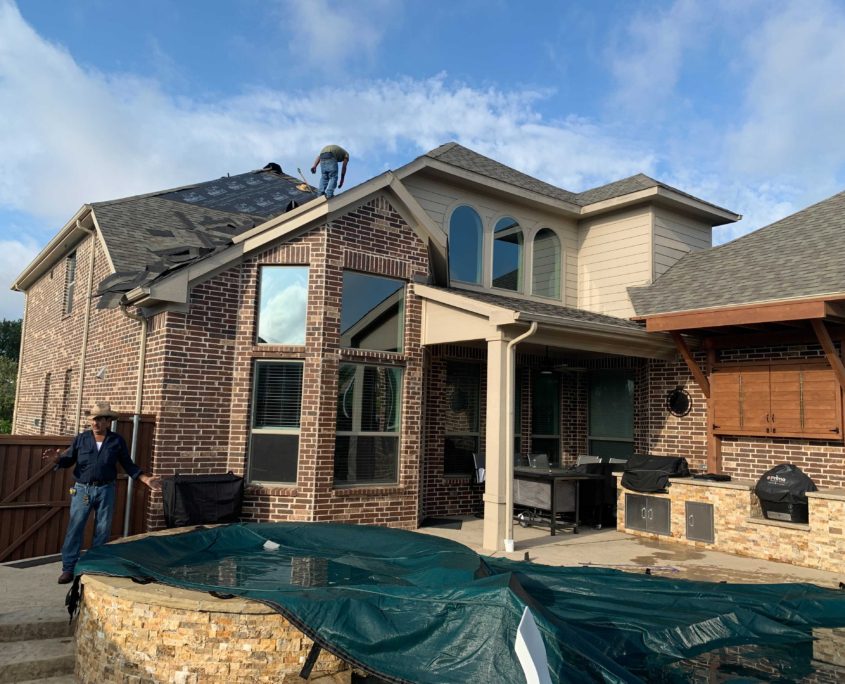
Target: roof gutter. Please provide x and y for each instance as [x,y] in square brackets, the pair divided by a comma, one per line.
[67,238]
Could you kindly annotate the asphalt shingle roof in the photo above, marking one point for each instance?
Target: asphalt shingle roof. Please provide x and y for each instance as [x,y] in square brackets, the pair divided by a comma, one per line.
[798,256]
[456,155]
[149,235]
[528,307]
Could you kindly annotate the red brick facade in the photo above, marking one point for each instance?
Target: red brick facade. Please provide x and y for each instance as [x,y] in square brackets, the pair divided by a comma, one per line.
[199,377]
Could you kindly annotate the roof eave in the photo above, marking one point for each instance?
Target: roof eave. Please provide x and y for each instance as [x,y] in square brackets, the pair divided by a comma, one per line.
[480,180]
[67,238]
[716,216]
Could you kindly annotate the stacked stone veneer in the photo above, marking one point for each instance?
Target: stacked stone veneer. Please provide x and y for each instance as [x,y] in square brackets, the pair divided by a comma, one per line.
[129,633]
[740,527]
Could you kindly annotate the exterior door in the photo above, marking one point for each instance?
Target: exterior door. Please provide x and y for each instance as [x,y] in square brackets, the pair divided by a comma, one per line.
[611,414]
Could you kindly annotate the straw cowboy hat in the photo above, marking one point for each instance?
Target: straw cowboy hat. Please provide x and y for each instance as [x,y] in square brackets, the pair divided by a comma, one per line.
[102,409]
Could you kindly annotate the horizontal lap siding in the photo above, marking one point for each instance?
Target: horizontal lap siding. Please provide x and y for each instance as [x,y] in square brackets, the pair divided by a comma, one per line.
[676,235]
[613,254]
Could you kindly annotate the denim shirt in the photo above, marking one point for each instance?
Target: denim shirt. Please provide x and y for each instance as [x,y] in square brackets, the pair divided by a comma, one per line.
[99,465]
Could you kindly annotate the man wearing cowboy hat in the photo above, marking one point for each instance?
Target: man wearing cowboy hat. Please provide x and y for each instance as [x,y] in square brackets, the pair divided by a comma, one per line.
[95,454]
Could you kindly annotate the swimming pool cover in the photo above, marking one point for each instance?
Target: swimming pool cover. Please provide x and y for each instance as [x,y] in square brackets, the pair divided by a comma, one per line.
[410,607]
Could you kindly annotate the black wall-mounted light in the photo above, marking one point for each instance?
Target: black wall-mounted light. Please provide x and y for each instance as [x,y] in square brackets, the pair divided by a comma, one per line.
[679,402]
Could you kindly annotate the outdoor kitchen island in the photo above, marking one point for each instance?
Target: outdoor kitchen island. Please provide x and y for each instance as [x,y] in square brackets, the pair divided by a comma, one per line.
[727,516]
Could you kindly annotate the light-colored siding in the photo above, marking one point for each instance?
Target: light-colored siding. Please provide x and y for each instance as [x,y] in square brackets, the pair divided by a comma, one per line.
[439,198]
[614,252]
[674,236]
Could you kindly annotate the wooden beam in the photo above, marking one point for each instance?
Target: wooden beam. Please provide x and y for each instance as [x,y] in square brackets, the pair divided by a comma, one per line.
[771,339]
[830,351]
[744,315]
[697,373]
[714,442]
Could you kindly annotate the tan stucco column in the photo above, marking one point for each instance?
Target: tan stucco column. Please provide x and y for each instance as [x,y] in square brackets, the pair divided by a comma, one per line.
[495,520]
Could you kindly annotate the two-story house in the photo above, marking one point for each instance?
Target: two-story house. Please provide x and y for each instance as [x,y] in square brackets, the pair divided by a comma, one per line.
[355,357]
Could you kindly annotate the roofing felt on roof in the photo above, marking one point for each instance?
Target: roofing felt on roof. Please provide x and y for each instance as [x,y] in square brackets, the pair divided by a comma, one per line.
[795,257]
[152,234]
[564,314]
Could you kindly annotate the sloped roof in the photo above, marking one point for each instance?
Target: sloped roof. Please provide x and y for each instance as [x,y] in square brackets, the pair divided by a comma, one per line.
[461,157]
[152,234]
[796,257]
[564,314]
[456,155]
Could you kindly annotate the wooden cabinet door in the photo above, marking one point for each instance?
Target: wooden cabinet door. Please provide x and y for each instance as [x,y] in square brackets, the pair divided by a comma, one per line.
[785,403]
[822,404]
[754,393]
[724,393]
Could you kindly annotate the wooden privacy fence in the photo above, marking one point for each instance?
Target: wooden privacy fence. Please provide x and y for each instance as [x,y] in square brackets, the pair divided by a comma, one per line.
[35,501]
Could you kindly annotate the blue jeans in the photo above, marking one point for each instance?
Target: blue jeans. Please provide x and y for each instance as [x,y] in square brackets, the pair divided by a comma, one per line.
[328,175]
[86,499]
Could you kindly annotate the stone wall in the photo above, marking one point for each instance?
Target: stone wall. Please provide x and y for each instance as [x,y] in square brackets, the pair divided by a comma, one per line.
[740,527]
[152,633]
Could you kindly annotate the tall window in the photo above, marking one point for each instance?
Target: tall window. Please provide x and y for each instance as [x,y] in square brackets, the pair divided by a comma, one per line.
[545,415]
[372,312]
[461,408]
[611,410]
[368,415]
[465,236]
[277,405]
[545,279]
[507,255]
[70,282]
[282,302]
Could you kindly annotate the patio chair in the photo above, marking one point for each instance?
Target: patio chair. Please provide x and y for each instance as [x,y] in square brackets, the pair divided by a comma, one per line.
[538,461]
[479,477]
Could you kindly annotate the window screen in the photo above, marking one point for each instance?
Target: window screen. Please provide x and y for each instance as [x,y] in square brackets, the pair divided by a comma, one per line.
[277,405]
[461,416]
[367,427]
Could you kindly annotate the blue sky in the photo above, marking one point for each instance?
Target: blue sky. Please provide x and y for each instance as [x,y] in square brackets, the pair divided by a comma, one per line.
[738,102]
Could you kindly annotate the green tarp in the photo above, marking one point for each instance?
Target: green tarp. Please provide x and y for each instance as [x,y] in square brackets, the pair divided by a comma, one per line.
[410,607]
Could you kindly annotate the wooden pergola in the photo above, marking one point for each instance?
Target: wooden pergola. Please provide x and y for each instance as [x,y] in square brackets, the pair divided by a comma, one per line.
[818,320]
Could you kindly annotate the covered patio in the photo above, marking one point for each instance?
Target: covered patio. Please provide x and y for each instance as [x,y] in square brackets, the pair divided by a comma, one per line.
[561,351]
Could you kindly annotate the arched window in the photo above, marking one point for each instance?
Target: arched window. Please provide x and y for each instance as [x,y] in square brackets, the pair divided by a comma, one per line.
[465,234]
[545,279]
[507,254]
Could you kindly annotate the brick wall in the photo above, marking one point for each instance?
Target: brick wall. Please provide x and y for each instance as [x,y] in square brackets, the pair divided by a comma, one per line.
[52,347]
[743,457]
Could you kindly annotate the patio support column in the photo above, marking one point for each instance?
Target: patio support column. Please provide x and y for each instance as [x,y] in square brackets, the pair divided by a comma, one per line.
[495,515]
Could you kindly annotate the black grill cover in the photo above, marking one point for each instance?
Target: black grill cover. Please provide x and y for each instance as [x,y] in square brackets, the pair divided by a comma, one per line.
[785,483]
[652,473]
[202,499]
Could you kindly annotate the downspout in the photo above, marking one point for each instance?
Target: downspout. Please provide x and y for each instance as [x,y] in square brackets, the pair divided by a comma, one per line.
[136,416]
[83,353]
[509,402]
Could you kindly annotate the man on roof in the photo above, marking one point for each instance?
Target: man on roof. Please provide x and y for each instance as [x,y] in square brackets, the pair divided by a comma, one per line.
[328,160]
[95,454]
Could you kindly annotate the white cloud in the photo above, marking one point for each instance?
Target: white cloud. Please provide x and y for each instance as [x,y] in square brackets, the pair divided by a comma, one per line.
[649,56]
[327,35]
[75,135]
[14,255]
[795,100]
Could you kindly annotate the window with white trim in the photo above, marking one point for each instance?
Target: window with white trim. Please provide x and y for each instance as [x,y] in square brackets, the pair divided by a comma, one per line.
[546,269]
[507,254]
[276,410]
[367,425]
[466,233]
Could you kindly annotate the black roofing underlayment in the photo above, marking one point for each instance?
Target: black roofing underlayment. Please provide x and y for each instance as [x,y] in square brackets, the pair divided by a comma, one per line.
[151,235]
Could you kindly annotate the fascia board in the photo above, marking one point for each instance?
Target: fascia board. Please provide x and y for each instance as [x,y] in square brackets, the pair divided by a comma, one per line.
[58,247]
[464,303]
[306,208]
[712,212]
[102,240]
[176,286]
[435,232]
[499,186]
